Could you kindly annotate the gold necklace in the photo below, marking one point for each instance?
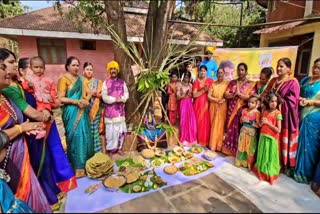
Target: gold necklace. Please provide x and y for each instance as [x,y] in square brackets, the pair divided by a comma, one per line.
[7,107]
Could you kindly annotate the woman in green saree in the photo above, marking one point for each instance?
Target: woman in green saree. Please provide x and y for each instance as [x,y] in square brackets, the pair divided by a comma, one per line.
[75,117]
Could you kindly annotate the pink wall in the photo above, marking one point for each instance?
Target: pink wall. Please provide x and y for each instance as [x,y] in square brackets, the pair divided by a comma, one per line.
[99,58]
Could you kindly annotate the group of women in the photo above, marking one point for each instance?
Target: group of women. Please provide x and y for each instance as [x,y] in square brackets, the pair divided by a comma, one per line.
[299,140]
[35,173]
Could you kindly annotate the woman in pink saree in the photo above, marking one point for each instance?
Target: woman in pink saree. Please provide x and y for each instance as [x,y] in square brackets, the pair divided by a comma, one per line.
[237,94]
[201,106]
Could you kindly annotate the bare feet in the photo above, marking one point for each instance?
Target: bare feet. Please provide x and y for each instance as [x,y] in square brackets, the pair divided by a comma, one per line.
[121,153]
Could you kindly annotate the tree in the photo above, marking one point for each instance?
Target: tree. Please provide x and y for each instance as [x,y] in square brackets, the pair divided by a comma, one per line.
[99,13]
[228,14]
[11,8]
[8,9]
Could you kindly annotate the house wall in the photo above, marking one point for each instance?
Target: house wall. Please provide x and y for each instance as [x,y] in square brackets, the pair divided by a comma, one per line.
[285,11]
[99,57]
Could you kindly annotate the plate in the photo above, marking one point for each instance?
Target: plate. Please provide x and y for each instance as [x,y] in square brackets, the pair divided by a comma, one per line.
[157,162]
[196,149]
[160,153]
[114,181]
[171,169]
[132,177]
[174,159]
[210,155]
[147,153]
[178,150]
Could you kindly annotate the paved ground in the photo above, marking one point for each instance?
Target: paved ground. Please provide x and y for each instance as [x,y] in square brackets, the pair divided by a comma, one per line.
[228,190]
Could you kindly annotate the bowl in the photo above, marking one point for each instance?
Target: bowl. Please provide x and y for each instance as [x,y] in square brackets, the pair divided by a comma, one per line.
[210,155]
[114,182]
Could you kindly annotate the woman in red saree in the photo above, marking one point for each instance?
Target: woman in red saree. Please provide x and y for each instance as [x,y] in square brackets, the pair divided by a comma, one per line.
[289,90]
[237,94]
[201,106]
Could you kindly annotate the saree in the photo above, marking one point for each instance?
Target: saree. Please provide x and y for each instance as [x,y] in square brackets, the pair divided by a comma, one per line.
[201,109]
[218,114]
[151,135]
[10,204]
[47,156]
[289,90]
[95,108]
[188,121]
[309,137]
[235,106]
[77,126]
[24,183]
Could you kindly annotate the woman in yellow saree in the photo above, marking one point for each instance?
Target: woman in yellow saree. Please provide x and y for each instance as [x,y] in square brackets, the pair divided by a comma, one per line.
[218,111]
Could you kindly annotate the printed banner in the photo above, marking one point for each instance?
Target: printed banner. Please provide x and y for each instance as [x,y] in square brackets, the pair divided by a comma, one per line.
[255,58]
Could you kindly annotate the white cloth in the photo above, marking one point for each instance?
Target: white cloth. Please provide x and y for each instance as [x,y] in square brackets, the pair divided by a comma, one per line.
[115,133]
[116,126]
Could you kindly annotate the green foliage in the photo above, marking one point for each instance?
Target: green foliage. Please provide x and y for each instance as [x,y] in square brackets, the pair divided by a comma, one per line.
[153,81]
[11,8]
[170,130]
[86,13]
[228,14]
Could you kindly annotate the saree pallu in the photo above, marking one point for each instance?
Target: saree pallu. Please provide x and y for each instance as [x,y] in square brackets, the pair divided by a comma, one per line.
[309,136]
[24,182]
[47,158]
[188,122]
[201,110]
[235,106]
[95,108]
[218,115]
[77,130]
[10,204]
[289,91]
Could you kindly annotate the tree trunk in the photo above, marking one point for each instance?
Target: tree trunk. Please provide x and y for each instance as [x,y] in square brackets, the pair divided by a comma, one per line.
[115,14]
[156,31]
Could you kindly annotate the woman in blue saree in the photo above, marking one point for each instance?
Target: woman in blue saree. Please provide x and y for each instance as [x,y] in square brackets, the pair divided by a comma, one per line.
[309,137]
[75,116]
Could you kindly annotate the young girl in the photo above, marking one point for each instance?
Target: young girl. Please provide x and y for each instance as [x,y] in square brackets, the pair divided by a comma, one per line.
[250,118]
[188,123]
[173,103]
[267,166]
[44,89]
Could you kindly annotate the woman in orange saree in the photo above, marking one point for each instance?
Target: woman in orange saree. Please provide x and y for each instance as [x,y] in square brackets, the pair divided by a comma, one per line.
[201,106]
[237,93]
[218,111]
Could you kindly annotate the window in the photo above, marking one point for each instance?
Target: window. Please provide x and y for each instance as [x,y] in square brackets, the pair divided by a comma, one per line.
[87,45]
[53,51]
[304,62]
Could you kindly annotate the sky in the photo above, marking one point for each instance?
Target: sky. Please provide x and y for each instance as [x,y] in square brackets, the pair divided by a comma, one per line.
[36,5]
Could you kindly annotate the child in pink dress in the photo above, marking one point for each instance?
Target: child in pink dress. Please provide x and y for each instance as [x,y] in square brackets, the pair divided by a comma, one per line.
[44,89]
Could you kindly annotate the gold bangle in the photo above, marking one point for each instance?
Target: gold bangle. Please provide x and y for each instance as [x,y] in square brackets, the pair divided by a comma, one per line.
[310,102]
[19,128]
[75,102]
